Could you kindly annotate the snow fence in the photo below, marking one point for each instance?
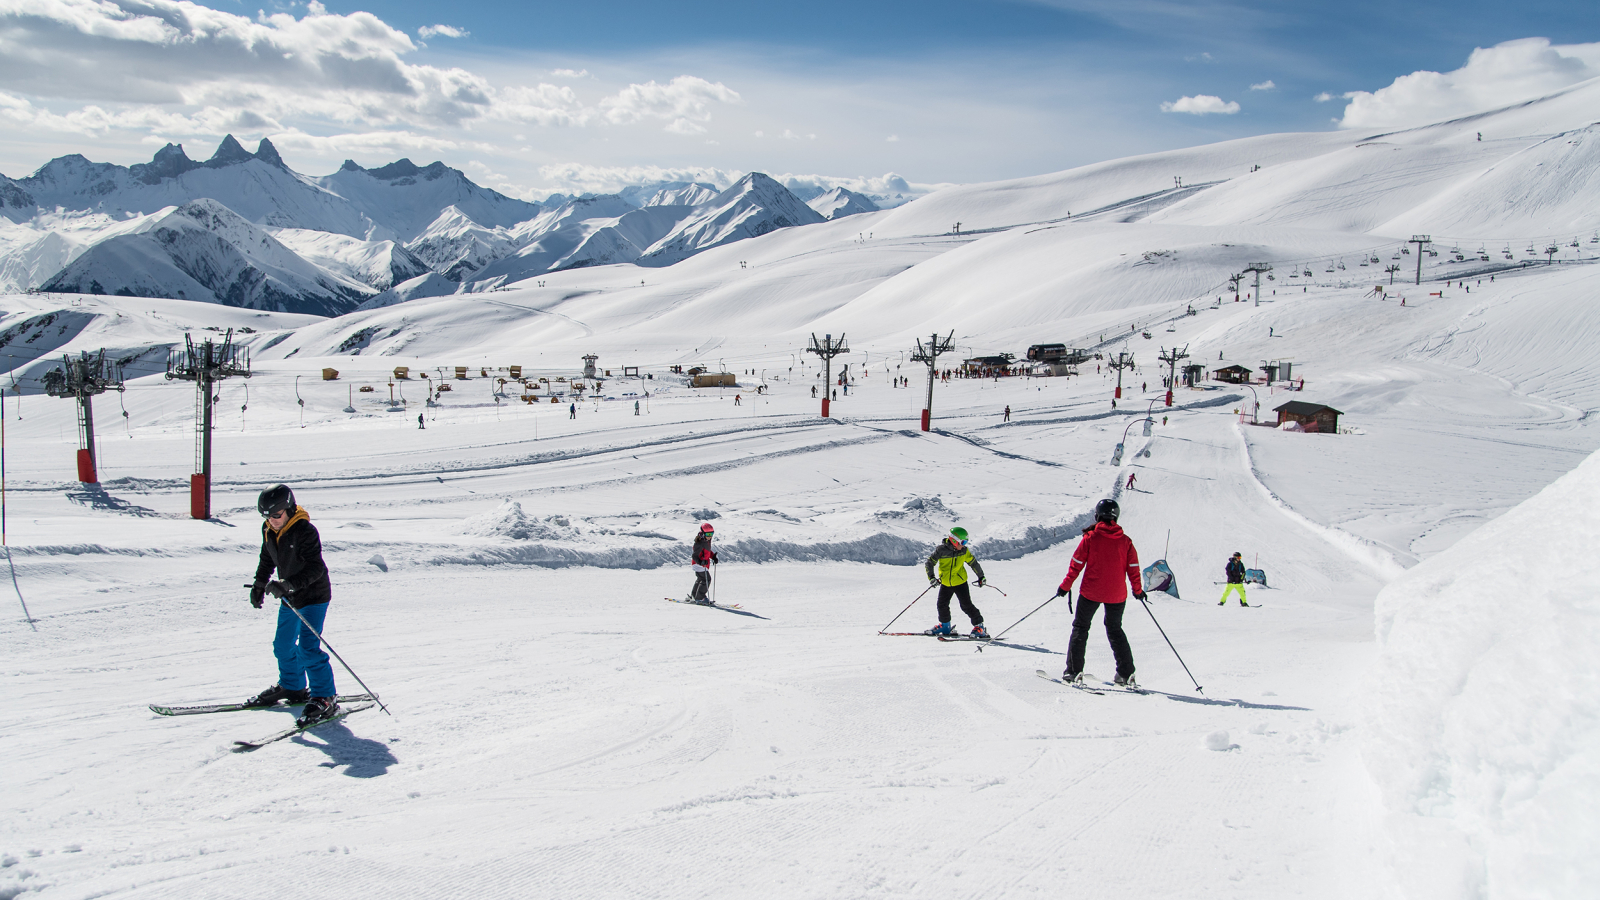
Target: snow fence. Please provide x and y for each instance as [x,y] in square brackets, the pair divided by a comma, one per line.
[1484,727]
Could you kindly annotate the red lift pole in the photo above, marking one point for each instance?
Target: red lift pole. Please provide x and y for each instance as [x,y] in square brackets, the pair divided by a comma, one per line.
[205,364]
[81,379]
[930,354]
[827,348]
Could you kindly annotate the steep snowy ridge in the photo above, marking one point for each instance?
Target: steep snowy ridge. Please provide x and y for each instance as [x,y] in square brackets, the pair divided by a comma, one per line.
[841,202]
[680,194]
[404,198]
[549,238]
[755,206]
[456,247]
[378,264]
[203,251]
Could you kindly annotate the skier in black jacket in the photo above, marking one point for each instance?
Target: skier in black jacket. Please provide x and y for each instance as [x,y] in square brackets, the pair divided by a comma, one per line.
[701,559]
[1235,572]
[290,544]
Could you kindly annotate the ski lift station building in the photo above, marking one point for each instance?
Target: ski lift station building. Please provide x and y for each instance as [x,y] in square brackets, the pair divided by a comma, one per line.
[1314,417]
[1234,374]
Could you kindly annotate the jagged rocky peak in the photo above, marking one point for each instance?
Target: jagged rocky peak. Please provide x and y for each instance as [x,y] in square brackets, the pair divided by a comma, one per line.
[269,154]
[169,162]
[228,152]
[400,168]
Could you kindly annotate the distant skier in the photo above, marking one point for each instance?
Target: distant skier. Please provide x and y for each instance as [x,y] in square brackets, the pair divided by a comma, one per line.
[813,392]
[636,407]
[736,400]
[1105,557]
[947,567]
[1131,476]
[1008,414]
[290,544]
[421,422]
[572,410]
[701,559]
[1235,572]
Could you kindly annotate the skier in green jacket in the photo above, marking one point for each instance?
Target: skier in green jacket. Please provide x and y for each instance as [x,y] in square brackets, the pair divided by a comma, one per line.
[947,568]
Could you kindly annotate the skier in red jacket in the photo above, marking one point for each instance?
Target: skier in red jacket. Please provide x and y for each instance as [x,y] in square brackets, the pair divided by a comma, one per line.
[1105,557]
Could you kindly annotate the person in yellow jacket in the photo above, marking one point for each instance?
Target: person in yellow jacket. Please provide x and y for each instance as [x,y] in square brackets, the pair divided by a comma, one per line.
[947,568]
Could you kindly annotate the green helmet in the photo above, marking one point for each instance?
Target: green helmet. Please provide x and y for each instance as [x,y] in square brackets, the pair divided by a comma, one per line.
[959,533]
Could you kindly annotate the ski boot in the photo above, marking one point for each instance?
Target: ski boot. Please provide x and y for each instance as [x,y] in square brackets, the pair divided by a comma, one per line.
[980,633]
[276,694]
[317,709]
[941,628]
[1072,677]
[1125,681]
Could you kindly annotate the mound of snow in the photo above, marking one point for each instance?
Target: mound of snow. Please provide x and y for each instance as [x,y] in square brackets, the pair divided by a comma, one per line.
[1484,729]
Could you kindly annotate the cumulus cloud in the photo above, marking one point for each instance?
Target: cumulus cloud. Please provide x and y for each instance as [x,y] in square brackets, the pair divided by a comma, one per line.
[1264,86]
[1200,105]
[1323,97]
[178,67]
[1493,77]
[449,31]
[570,73]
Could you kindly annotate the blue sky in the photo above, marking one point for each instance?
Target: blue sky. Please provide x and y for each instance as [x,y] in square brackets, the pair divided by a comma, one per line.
[535,97]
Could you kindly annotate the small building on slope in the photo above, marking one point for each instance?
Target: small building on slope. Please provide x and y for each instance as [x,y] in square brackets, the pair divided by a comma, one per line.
[1313,417]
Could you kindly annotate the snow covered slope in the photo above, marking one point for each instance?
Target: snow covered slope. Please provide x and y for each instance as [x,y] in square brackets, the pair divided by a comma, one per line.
[841,202]
[456,247]
[1485,724]
[756,205]
[203,251]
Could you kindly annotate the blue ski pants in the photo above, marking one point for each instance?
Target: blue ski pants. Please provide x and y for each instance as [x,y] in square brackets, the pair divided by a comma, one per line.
[300,654]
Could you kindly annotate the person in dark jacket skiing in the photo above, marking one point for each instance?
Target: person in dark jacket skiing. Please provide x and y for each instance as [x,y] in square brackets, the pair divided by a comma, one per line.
[291,546]
[702,558]
[1235,572]
[1109,565]
[947,568]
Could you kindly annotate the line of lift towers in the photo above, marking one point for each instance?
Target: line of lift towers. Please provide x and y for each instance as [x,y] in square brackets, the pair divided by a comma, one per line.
[206,364]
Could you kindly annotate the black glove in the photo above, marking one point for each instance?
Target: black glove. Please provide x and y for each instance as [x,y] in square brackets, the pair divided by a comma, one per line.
[258,593]
[980,582]
[713,559]
[932,582]
[1062,592]
[1140,596]
[278,589]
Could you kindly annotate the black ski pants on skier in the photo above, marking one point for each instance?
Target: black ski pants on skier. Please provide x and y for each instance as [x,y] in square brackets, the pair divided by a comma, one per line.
[1080,636]
[702,584]
[963,593]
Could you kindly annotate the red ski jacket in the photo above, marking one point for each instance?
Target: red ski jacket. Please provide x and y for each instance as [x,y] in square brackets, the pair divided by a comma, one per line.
[1105,556]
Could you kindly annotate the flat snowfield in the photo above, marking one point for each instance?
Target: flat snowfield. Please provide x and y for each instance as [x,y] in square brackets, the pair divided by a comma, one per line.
[560,730]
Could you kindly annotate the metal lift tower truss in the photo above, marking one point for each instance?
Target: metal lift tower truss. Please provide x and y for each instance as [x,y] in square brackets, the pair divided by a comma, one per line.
[1172,358]
[827,348]
[205,364]
[929,354]
[81,379]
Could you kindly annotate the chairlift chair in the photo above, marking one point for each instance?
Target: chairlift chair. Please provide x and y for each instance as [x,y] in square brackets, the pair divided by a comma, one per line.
[1329,269]
[1375,259]
[1341,265]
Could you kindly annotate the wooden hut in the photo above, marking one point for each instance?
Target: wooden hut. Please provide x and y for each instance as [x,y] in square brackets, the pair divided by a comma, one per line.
[1313,417]
[1234,374]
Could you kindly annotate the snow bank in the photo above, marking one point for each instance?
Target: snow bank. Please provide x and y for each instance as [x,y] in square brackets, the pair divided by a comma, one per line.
[1484,731]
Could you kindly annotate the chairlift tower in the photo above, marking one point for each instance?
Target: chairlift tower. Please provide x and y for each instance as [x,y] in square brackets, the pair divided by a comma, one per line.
[1391,269]
[205,364]
[1258,268]
[929,353]
[1124,360]
[827,348]
[81,379]
[1172,358]
[1233,285]
[1420,240]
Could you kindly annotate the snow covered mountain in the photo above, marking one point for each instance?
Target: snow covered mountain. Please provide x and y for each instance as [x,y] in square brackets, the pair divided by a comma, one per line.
[841,202]
[204,251]
[403,198]
[456,247]
[585,232]
[755,206]
[380,264]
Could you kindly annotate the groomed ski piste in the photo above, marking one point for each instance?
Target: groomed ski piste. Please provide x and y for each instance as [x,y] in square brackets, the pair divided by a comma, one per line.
[1409,710]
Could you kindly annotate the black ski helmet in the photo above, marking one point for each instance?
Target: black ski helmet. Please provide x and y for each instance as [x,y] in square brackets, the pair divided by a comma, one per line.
[1107,511]
[275,499]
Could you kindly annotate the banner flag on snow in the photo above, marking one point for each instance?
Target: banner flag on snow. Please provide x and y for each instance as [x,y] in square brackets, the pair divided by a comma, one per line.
[1255,576]
[1158,577]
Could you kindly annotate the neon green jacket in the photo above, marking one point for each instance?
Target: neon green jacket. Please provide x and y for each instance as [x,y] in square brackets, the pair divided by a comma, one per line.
[952,563]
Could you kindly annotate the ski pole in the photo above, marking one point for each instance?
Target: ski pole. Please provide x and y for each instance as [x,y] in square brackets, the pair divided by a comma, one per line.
[1002,593]
[1163,631]
[335,653]
[908,606]
[1019,621]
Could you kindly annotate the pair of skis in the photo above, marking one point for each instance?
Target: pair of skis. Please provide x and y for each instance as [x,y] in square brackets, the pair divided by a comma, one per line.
[943,637]
[1090,687]
[705,603]
[348,704]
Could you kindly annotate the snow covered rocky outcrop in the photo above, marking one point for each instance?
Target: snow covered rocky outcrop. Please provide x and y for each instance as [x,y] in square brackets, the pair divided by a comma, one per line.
[379,264]
[754,206]
[841,202]
[203,251]
[403,198]
[1484,731]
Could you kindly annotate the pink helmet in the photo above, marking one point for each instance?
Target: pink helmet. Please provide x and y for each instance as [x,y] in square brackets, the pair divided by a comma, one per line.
[706,528]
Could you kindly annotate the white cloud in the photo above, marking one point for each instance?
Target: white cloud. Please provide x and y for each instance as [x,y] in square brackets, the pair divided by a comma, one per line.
[1264,86]
[570,73]
[1493,77]
[449,31]
[893,138]
[684,101]
[1323,97]
[1200,105]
